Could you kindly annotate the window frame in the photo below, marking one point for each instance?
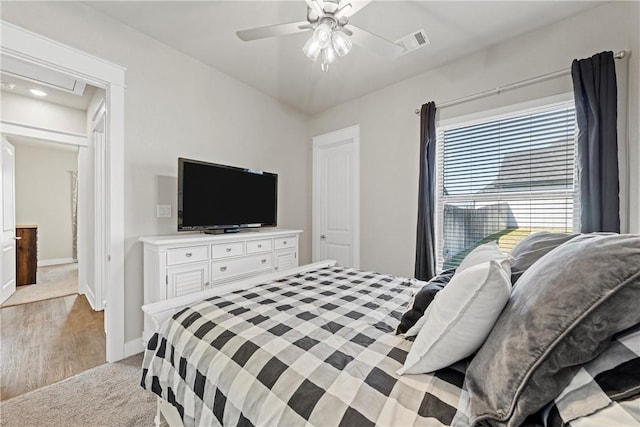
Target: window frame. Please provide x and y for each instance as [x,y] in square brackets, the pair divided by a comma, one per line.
[539,105]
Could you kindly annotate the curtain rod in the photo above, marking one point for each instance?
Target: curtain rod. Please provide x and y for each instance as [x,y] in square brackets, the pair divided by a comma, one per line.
[497,90]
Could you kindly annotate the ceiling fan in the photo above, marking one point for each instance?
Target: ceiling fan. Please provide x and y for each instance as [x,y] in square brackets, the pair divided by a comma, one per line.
[332,36]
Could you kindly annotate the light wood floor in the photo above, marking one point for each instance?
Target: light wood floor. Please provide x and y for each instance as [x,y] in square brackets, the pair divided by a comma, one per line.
[46,341]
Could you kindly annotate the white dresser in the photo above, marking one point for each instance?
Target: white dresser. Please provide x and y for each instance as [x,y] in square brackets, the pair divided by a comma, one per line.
[181,264]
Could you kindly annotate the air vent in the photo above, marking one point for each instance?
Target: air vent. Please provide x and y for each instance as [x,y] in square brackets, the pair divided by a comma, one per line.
[413,41]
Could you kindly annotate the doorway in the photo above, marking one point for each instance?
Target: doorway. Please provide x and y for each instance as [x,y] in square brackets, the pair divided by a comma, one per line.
[45,218]
[35,49]
[336,197]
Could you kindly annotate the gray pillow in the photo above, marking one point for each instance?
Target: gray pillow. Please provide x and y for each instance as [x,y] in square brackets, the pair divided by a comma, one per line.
[532,248]
[563,313]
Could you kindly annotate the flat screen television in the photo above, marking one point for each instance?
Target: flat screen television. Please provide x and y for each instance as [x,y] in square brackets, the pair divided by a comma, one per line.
[219,197]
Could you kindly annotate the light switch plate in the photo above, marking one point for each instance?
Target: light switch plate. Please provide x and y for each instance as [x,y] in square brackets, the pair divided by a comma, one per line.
[163,211]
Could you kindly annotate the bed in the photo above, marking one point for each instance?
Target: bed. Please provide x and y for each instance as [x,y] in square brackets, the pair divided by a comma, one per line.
[317,346]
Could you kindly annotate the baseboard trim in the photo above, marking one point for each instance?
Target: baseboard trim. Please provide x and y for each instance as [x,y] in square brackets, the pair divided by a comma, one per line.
[133,347]
[86,290]
[55,261]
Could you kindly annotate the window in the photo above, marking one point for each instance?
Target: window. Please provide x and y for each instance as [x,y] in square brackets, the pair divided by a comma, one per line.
[504,178]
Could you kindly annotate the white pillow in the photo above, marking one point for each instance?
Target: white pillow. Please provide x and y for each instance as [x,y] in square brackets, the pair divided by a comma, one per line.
[483,253]
[460,317]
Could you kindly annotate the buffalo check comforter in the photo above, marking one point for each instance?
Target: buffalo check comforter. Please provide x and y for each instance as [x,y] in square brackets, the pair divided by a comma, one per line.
[319,349]
[313,349]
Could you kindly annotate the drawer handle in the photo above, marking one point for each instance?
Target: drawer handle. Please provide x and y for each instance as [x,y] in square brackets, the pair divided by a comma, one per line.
[188,254]
[264,261]
[206,285]
[284,243]
[228,249]
[223,268]
[259,246]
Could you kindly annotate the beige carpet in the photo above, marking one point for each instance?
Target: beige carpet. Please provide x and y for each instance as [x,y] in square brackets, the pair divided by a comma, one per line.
[109,395]
[51,282]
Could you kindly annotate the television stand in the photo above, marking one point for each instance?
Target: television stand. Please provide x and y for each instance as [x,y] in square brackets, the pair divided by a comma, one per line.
[234,230]
[223,231]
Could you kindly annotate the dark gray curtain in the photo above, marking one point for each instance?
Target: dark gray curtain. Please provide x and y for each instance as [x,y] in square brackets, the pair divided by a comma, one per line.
[425,267]
[595,92]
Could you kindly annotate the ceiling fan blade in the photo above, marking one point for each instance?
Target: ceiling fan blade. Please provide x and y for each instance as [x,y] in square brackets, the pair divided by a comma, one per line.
[378,44]
[315,6]
[272,31]
[356,5]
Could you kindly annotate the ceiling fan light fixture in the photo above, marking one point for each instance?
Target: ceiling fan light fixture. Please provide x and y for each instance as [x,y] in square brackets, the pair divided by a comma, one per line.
[322,34]
[341,43]
[329,55]
[312,49]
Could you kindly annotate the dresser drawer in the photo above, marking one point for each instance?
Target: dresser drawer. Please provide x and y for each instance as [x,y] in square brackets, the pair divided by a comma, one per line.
[190,254]
[254,246]
[241,266]
[224,250]
[285,242]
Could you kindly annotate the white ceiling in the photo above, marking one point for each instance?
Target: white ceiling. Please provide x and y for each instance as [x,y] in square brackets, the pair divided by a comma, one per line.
[277,66]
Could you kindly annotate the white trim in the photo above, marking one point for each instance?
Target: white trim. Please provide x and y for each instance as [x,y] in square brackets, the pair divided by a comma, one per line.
[27,46]
[133,347]
[353,133]
[88,293]
[18,129]
[55,261]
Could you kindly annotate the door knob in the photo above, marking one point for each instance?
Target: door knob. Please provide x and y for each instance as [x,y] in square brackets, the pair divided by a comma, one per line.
[323,237]
[17,238]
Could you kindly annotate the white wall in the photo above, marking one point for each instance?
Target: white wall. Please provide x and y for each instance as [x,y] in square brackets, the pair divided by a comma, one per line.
[177,106]
[43,195]
[42,114]
[389,129]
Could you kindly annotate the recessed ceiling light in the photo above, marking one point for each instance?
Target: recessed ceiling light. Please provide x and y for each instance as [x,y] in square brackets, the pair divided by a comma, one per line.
[7,85]
[38,92]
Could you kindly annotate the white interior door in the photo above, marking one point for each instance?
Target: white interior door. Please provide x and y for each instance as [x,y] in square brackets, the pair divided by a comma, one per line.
[7,219]
[336,197]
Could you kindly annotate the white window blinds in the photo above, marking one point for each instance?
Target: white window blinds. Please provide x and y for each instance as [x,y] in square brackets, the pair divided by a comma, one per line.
[504,179]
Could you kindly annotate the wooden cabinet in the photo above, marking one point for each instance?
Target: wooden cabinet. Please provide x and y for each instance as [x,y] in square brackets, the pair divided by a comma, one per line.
[26,254]
[183,264]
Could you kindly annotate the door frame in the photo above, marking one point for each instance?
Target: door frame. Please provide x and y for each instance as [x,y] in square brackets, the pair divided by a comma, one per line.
[337,137]
[28,46]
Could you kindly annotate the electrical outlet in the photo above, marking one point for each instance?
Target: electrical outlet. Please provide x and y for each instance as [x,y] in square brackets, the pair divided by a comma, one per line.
[163,211]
